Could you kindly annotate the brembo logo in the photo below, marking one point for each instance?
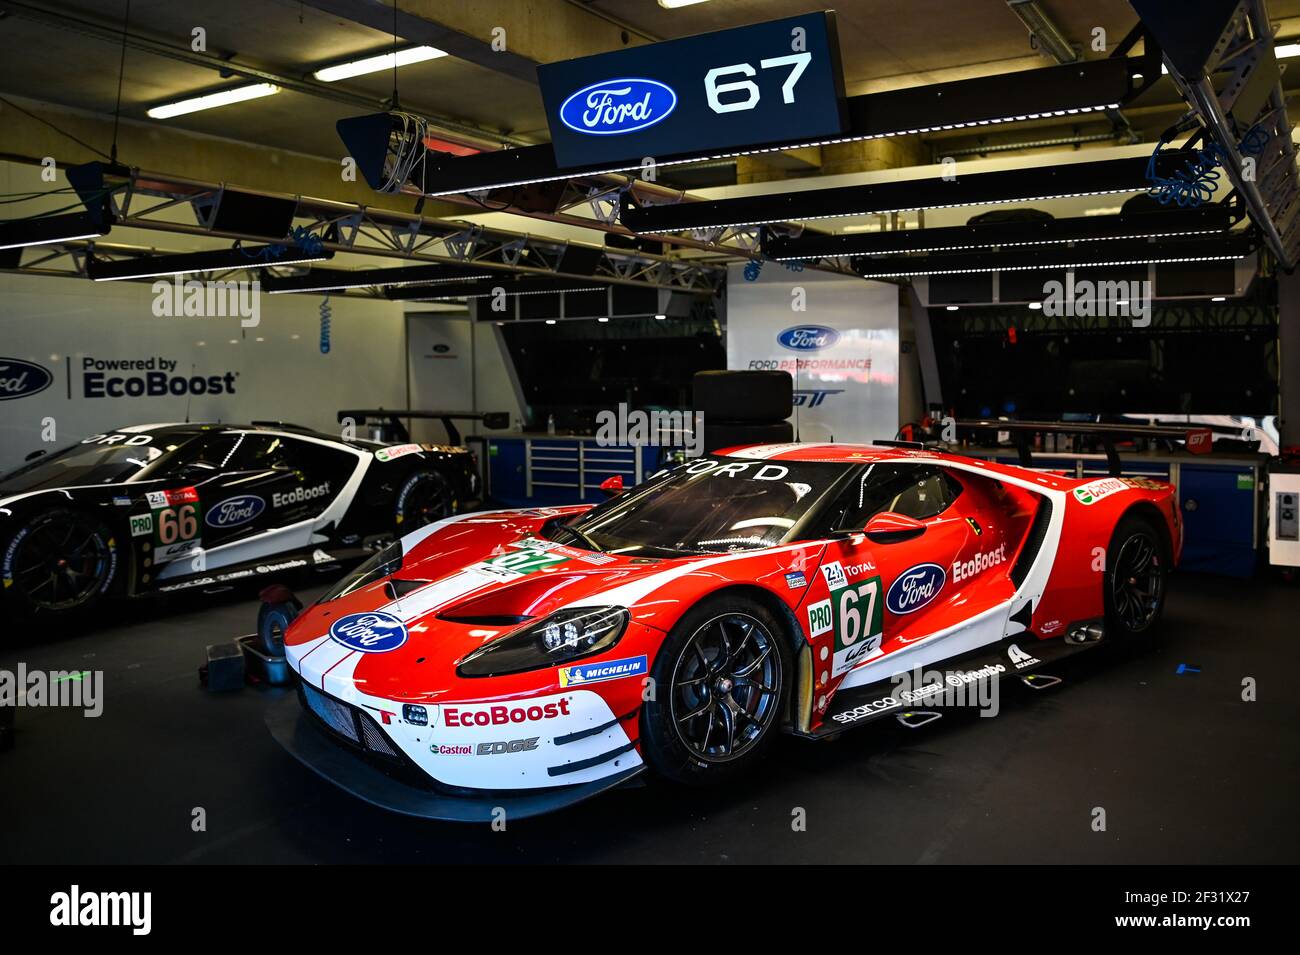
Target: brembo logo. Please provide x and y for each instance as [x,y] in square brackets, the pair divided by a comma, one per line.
[619,106]
[807,337]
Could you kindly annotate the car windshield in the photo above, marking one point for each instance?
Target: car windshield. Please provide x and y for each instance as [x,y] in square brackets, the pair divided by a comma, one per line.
[97,460]
[711,505]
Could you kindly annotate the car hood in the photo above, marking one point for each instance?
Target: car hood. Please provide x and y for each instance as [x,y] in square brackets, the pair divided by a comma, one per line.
[470,581]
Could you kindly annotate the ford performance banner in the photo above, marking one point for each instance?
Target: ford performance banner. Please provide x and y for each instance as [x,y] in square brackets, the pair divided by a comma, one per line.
[767,83]
[837,337]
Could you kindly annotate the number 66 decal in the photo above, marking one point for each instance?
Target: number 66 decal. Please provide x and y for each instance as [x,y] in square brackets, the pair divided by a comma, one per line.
[177,524]
[798,62]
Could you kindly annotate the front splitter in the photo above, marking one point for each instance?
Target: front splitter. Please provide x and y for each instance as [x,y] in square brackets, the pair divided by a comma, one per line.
[293,729]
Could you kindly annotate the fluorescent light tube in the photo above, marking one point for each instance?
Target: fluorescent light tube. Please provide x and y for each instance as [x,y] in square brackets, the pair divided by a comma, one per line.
[377,64]
[213,100]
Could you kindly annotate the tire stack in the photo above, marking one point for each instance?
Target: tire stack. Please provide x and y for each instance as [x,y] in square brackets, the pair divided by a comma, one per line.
[744,407]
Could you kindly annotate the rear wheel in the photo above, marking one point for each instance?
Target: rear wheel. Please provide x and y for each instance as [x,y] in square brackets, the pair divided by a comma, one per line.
[61,561]
[1136,567]
[424,498]
[721,679]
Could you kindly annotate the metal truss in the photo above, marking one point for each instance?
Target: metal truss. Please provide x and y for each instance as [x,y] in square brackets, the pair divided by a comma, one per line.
[1234,109]
[147,200]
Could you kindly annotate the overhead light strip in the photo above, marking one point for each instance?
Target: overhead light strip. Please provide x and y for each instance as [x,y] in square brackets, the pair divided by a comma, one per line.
[194,104]
[330,286]
[1050,267]
[994,245]
[378,63]
[582,173]
[192,262]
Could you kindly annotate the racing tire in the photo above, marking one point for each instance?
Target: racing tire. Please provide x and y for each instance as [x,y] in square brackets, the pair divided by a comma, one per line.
[425,497]
[60,562]
[722,677]
[273,619]
[1137,566]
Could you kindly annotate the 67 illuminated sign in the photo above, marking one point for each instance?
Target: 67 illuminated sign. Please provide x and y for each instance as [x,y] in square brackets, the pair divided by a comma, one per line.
[724,91]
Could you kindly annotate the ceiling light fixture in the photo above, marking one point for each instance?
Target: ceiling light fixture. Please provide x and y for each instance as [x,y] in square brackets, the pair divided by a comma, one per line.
[212,100]
[329,280]
[676,4]
[219,260]
[47,230]
[378,63]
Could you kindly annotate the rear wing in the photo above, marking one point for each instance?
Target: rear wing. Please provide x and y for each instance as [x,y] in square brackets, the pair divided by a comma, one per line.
[1196,440]
[391,420]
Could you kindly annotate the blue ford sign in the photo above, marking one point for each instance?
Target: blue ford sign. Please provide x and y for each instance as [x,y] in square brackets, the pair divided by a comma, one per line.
[760,85]
[808,337]
[373,632]
[915,587]
[615,107]
[234,511]
[19,379]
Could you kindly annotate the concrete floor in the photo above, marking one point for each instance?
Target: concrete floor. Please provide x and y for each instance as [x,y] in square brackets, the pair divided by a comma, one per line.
[1186,771]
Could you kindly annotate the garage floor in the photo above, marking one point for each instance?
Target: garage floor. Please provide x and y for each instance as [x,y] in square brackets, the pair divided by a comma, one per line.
[1185,770]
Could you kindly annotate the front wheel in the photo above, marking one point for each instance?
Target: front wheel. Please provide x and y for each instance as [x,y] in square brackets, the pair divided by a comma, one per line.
[721,681]
[1137,564]
[59,562]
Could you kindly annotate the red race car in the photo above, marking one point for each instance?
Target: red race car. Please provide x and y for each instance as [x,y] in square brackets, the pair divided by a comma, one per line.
[522,660]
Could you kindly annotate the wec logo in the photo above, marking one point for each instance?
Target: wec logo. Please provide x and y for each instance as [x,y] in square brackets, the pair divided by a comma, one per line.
[615,107]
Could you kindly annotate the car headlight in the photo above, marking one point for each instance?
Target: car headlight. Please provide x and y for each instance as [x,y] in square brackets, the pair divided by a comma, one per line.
[563,636]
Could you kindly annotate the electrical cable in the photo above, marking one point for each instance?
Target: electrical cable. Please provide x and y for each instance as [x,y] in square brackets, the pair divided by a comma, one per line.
[121,72]
[30,115]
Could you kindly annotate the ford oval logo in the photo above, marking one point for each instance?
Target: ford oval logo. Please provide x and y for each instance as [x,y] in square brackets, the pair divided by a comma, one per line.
[234,511]
[808,337]
[19,378]
[615,107]
[373,632]
[915,587]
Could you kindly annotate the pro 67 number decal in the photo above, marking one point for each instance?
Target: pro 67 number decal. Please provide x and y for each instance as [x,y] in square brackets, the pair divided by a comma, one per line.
[855,614]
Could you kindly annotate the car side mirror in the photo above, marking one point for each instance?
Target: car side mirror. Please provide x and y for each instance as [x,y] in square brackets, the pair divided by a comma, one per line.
[889,527]
[612,486]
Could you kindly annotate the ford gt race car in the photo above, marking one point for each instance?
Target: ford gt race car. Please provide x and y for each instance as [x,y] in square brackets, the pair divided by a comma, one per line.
[522,660]
[157,508]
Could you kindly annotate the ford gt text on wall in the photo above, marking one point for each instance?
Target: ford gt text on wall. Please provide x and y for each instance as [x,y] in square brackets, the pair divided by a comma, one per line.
[157,508]
[527,659]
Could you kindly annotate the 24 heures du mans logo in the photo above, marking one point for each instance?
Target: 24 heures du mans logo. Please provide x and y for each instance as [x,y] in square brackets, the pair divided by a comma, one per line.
[20,379]
[615,107]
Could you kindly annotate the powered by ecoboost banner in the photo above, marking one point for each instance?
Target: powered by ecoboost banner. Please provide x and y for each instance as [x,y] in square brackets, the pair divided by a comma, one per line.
[837,337]
[79,358]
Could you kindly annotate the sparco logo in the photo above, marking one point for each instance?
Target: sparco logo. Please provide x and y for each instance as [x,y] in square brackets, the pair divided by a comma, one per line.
[300,494]
[615,107]
[19,378]
[915,588]
[807,337]
[235,511]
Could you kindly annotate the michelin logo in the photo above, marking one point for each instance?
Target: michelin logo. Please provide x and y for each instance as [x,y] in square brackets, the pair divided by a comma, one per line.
[606,670]
[299,494]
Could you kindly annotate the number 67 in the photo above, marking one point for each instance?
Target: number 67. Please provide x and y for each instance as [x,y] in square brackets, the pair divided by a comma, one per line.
[712,88]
